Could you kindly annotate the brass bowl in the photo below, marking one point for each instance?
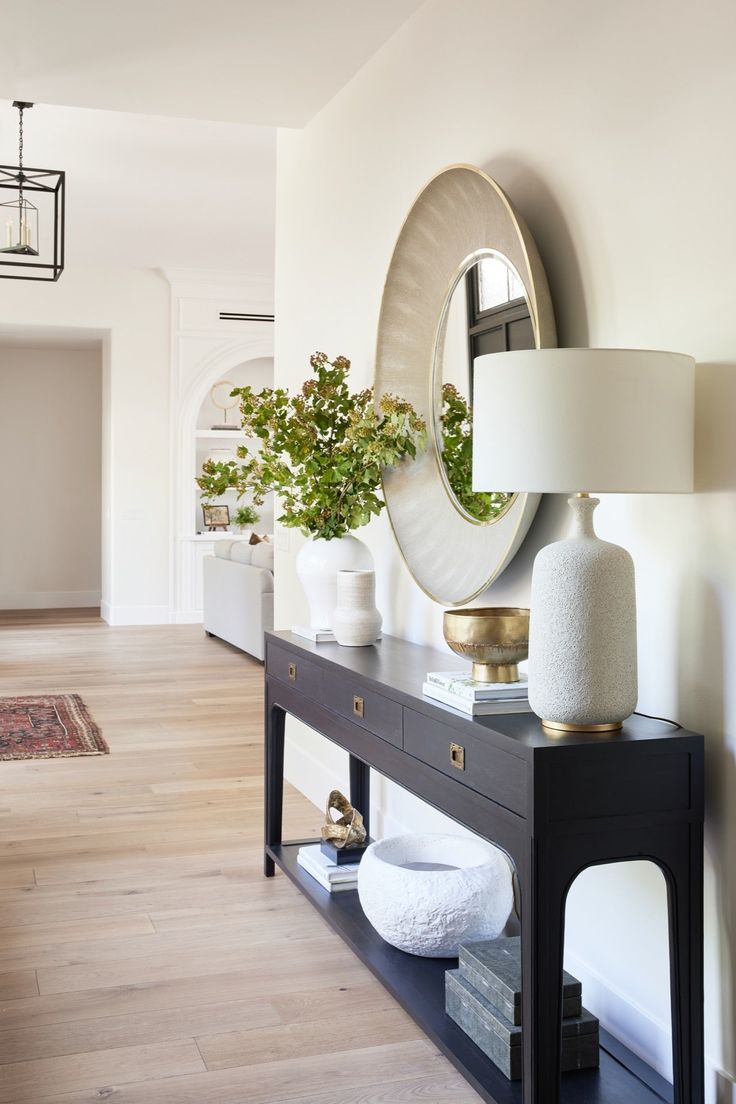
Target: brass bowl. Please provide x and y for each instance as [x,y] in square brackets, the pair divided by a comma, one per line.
[495,639]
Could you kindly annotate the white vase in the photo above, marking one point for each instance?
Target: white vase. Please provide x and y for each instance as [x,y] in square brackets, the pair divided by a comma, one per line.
[356,621]
[317,565]
[582,630]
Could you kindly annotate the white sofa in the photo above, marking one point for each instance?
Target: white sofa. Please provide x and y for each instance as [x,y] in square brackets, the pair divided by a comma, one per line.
[238,593]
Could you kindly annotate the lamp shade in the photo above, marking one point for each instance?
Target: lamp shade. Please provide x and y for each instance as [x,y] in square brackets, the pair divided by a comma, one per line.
[567,420]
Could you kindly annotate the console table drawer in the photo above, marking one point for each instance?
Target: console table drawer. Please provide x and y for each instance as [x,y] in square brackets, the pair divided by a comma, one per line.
[295,670]
[379,715]
[468,760]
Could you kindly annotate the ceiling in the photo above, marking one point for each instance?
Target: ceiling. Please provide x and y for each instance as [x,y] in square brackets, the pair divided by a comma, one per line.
[268,62]
[150,192]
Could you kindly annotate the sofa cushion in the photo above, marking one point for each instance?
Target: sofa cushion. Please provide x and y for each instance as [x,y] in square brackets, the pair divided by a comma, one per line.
[241,552]
[222,548]
[262,555]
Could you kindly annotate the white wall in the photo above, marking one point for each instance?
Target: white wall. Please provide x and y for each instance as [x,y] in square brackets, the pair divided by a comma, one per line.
[50,477]
[130,309]
[608,126]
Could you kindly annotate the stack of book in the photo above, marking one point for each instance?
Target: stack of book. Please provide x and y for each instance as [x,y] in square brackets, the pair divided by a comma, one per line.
[334,877]
[483,997]
[477,698]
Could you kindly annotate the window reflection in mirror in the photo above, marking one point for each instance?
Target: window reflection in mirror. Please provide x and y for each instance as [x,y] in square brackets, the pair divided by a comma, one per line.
[486,312]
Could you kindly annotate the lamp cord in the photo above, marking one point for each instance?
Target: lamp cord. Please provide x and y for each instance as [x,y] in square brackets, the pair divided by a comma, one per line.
[651,717]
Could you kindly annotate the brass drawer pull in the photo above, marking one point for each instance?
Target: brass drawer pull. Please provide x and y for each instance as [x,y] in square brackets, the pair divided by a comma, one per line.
[457,756]
[292,672]
[358,706]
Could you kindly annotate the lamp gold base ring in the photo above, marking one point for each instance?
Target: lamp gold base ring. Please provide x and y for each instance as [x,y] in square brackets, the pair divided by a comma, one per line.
[561,726]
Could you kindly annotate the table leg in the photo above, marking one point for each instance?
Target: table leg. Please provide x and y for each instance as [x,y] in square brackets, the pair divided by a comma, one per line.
[543,897]
[275,728]
[360,789]
[684,875]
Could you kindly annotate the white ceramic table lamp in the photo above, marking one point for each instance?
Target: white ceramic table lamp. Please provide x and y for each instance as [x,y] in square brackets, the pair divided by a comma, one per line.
[572,421]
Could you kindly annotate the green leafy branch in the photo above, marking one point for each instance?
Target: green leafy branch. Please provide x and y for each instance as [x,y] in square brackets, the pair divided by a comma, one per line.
[456,421]
[321,450]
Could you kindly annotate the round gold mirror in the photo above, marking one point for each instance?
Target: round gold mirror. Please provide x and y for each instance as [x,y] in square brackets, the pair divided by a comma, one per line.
[465,279]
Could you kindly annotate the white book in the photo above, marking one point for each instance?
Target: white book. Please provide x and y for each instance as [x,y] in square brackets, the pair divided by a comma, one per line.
[476,709]
[314,852]
[312,858]
[326,883]
[463,686]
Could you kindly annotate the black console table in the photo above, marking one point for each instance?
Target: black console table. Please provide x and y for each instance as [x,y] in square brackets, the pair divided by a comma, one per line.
[555,805]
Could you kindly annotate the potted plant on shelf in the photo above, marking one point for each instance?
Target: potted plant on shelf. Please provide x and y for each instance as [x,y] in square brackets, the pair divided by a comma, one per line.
[322,451]
[245,516]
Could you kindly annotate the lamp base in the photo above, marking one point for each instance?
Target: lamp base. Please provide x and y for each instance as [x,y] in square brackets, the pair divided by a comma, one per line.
[582,631]
[560,726]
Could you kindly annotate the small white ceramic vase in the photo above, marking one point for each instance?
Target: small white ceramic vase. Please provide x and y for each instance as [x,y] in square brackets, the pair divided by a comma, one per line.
[356,622]
[582,630]
[317,565]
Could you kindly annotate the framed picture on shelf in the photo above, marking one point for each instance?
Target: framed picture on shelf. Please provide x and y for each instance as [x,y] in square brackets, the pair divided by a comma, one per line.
[215,517]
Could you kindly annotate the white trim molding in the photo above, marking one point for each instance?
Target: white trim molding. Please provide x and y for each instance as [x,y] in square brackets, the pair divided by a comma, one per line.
[203,349]
[50,599]
[135,615]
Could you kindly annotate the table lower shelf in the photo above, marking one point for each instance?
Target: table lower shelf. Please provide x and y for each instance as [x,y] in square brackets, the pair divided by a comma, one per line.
[418,984]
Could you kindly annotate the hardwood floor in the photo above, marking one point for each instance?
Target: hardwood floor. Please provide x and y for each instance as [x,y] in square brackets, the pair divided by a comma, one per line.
[143,957]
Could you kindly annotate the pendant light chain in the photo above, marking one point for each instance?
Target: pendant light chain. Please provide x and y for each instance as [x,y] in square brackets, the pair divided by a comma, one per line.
[20,164]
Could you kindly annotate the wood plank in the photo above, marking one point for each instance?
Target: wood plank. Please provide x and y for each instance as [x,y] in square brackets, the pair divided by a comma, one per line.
[330,1035]
[44,1076]
[296,1079]
[135,1029]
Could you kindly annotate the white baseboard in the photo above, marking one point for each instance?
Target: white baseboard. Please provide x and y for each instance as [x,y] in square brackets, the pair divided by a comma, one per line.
[50,599]
[135,615]
[631,1024]
[187,617]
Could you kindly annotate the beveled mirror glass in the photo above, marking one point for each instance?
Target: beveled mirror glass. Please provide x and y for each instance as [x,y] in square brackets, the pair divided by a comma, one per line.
[465,279]
[485,311]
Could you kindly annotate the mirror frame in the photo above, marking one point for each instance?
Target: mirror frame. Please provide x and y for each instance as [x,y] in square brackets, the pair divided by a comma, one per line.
[460,215]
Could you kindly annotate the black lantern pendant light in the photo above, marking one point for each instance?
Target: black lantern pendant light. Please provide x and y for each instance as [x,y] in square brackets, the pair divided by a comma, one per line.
[32,222]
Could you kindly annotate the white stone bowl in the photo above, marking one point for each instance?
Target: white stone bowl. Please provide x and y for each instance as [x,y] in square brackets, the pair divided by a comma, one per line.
[428,894]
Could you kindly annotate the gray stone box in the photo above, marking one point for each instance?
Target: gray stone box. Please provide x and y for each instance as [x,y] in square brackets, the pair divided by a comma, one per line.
[494,969]
[500,1039]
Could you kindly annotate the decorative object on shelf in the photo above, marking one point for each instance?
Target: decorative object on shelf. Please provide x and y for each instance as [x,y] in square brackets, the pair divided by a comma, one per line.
[31,250]
[356,621]
[318,563]
[618,420]
[340,856]
[215,517]
[321,451]
[483,997]
[517,701]
[464,264]
[347,829]
[218,457]
[245,516]
[221,396]
[495,639]
[479,699]
[428,894]
[332,876]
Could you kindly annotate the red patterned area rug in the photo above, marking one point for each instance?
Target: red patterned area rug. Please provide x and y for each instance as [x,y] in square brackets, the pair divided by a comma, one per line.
[48,727]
